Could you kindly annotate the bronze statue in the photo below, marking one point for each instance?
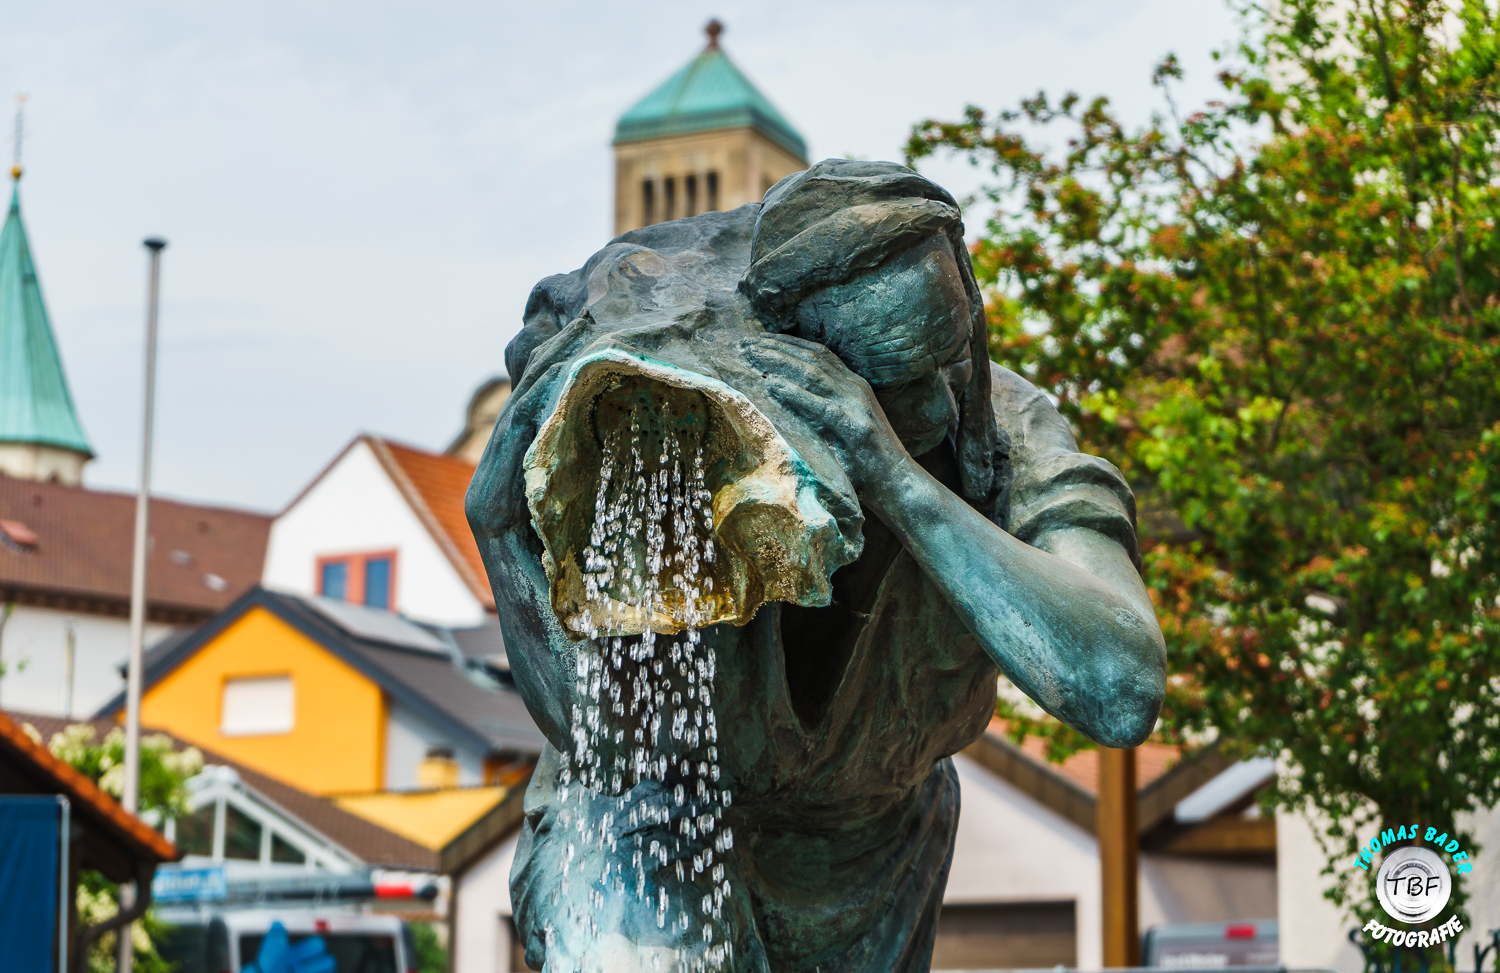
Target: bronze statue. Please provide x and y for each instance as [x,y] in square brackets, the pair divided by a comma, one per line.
[897,521]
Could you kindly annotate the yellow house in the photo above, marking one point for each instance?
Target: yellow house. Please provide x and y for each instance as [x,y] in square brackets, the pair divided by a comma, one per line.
[338,699]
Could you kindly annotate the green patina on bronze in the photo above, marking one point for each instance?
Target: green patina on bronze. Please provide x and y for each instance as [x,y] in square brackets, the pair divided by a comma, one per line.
[933,526]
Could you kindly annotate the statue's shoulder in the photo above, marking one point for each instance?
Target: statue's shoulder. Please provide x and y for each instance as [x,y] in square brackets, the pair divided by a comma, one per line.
[1051,483]
[1026,418]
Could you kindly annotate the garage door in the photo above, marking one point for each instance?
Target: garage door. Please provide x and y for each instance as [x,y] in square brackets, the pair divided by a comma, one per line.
[1008,935]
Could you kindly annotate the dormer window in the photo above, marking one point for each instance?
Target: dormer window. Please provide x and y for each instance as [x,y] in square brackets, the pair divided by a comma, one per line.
[361,579]
[17,536]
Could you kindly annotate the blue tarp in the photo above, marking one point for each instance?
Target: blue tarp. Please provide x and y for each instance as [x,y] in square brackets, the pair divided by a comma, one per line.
[30,863]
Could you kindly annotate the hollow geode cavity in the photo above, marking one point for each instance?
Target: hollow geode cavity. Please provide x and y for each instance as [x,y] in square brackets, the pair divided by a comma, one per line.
[776,540]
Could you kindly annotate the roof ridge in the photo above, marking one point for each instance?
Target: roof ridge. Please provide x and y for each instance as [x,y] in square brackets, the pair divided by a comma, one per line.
[693,67]
[728,100]
[353,649]
[478,586]
[398,444]
[131,497]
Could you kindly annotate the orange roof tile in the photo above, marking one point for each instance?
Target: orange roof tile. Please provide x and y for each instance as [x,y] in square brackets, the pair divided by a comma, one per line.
[55,776]
[435,486]
[1152,760]
[370,842]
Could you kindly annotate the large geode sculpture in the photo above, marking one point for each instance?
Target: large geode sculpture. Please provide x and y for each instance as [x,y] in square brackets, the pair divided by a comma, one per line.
[778,539]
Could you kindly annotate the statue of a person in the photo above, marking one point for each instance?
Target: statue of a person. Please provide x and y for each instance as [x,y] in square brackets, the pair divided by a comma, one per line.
[990,545]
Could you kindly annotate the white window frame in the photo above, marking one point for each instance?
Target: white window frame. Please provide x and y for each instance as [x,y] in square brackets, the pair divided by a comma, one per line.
[277,716]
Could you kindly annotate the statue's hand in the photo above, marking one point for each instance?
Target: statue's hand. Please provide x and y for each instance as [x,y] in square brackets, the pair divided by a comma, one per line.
[813,383]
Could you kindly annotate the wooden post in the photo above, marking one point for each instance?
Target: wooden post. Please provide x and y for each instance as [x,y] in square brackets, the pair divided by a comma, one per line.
[1115,825]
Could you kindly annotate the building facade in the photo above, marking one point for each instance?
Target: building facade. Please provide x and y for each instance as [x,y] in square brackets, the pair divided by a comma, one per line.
[65,574]
[383,526]
[705,140]
[336,699]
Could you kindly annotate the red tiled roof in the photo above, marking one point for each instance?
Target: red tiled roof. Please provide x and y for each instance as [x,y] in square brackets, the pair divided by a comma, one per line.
[34,768]
[435,485]
[201,558]
[1152,760]
[368,841]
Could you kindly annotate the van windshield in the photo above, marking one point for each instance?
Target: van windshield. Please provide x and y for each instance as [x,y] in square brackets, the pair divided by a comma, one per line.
[353,952]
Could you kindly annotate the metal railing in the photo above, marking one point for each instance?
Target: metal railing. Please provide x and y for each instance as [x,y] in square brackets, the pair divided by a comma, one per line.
[1374,964]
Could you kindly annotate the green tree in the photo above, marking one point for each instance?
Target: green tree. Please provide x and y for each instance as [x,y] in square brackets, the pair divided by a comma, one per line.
[165,772]
[6,611]
[431,956]
[1280,315]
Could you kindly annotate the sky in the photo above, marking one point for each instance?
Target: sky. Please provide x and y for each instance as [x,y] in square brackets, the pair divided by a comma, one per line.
[359,196]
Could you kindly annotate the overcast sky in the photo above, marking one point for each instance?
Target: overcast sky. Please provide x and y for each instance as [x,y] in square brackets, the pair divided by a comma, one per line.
[358,196]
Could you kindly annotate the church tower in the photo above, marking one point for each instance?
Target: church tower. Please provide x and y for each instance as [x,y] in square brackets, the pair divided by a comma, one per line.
[40,438]
[705,140]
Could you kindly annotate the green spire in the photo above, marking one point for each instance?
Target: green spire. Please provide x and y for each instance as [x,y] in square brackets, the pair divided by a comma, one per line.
[34,403]
[709,93]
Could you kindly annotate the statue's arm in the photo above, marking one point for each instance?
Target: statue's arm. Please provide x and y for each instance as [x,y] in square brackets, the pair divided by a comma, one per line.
[1060,608]
[1066,618]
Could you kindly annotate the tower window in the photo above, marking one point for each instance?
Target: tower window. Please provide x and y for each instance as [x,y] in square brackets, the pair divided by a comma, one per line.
[648,202]
[712,186]
[669,198]
[690,195]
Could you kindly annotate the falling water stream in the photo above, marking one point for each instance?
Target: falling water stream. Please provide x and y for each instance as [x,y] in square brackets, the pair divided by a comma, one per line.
[645,712]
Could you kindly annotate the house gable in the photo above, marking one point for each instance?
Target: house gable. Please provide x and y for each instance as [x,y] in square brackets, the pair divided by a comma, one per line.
[362,503]
[329,748]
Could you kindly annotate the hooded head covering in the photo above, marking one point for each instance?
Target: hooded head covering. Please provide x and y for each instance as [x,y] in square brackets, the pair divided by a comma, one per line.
[825,225]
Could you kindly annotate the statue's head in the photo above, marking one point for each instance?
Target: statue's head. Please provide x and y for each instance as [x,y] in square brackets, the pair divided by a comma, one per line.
[868,259]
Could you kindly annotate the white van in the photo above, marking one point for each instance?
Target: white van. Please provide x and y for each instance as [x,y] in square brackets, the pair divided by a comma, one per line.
[228,941]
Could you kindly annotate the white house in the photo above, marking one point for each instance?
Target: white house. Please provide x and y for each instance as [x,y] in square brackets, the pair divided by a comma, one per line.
[65,572]
[383,525]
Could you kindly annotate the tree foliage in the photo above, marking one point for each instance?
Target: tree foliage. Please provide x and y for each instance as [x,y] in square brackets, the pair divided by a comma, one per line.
[1280,315]
[164,772]
[431,956]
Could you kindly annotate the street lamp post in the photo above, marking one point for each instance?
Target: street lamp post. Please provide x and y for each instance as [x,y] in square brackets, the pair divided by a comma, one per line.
[131,796]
